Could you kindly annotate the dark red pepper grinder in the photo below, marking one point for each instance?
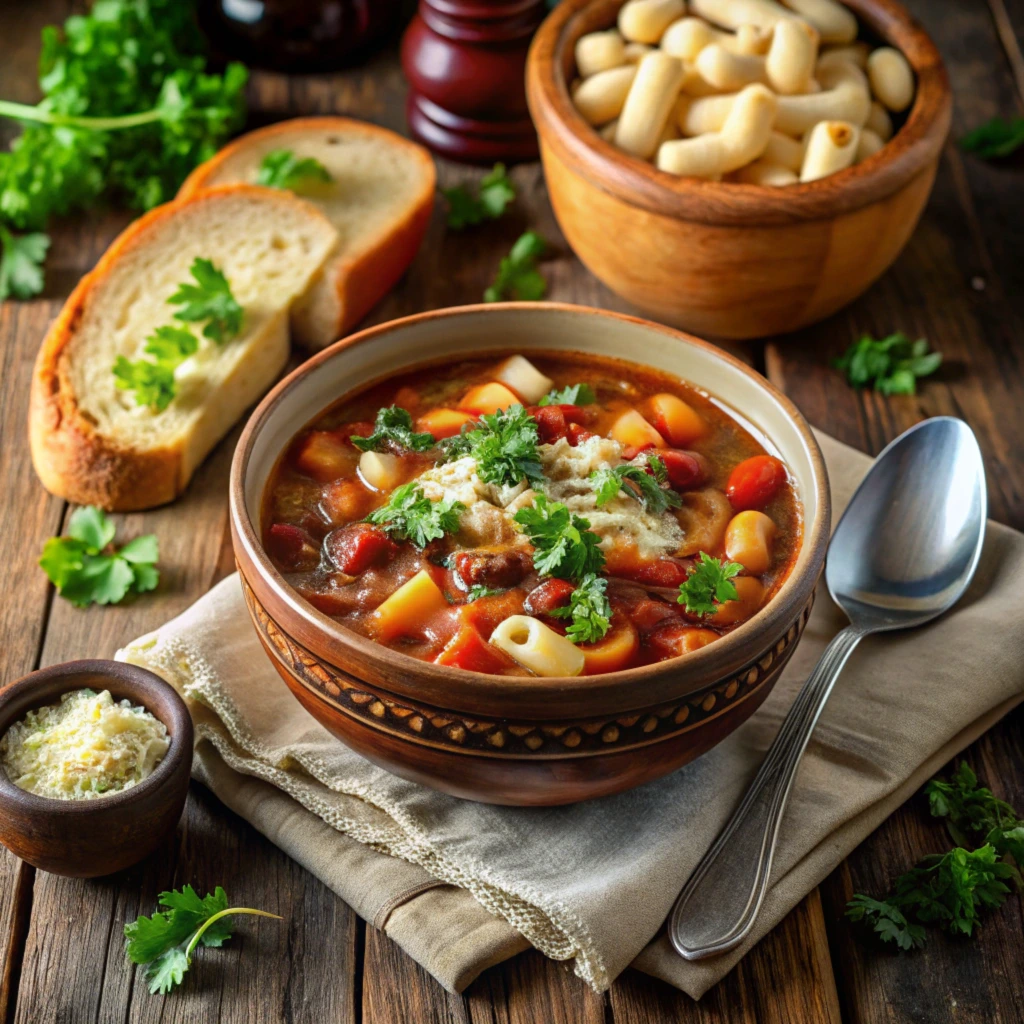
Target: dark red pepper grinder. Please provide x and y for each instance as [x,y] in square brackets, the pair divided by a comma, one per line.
[465,61]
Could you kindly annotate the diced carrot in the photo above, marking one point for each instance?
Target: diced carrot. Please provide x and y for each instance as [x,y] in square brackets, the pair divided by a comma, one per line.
[676,420]
[409,609]
[468,650]
[324,455]
[443,422]
[487,612]
[488,398]
[615,651]
[632,429]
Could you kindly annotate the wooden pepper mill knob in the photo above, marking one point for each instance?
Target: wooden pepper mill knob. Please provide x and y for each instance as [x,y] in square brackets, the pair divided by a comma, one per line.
[465,61]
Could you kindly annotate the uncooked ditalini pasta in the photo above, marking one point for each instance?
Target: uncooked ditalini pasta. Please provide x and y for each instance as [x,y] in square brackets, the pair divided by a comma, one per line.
[831,147]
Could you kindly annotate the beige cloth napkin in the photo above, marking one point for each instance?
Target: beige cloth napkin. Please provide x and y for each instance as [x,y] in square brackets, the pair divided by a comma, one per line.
[461,886]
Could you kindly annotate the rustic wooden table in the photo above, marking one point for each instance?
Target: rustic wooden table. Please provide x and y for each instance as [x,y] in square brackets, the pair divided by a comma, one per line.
[960,283]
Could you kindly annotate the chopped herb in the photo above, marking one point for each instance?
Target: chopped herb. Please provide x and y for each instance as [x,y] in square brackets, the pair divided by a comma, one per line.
[635,481]
[281,168]
[709,585]
[85,567]
[478,590]
[890,365]
[574,394]
[21,263]
[564,544]
[411,515]
[589,610]
[465,209]
[166,941]
[209,299]
[153,381]
[393,427]
[518,276]
[995,138]
[504,445]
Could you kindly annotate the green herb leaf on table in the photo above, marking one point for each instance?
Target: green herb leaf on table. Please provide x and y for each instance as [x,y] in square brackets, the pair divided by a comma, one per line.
[281,168]
[637,483]
[574,394]
[518,276]
[890,365]
[709,585]
[394,427]
[21,263]
[209,299]
[996,138]
[589,610]
[411,515]
[564,544]
[86,568]
[478,591]
[495,193]
[504,445]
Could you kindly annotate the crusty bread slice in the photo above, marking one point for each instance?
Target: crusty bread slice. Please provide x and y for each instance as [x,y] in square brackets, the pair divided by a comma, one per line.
[380,200]
[90,442]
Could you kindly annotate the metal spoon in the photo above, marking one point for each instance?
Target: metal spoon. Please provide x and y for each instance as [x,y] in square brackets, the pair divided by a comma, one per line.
[903,553]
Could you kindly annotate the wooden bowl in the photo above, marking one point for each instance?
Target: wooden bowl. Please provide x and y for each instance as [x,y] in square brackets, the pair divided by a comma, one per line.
[88,838]
[723,259]
[520,740]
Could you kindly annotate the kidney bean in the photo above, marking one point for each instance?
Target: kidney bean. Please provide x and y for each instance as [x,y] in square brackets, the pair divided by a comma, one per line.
[548,596]
[493,568]
[754,482]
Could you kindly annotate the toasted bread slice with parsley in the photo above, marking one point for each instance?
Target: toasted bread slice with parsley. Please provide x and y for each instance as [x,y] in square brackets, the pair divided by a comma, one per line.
[92,441]
[380,199]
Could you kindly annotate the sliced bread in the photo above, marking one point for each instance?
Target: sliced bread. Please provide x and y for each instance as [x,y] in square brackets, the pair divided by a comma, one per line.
[91,442]
[380,199]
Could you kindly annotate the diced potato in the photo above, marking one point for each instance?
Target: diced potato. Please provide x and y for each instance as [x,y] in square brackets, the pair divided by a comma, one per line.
[676,420]
[519,374]
[751,597]
[633,430]
[407,611]
[380,470]
[325,456]
[488,398]
[443,422]
[538,647]
[615,651]
[748,540]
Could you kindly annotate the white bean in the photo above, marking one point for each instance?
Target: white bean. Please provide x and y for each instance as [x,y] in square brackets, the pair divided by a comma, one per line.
[599,51]
[844,97]
[649,103]
[834,22]
[599,98]
[644,21]
[831,147]
[790,61]
[855,53]
[891,78]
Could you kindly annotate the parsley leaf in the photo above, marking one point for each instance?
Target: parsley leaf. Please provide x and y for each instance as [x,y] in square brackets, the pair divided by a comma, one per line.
[709,585]
[995,138]
[153,381]
[574,394]
[636,482]
[166,941]
[565,546]
[86,569]
[890,365]
[478,591]
[504,444]
[21,263]
[887,920]
[209,299]
[281,168]
[518,276]
[465,209]
[589,610]
[411,515]
[393,427]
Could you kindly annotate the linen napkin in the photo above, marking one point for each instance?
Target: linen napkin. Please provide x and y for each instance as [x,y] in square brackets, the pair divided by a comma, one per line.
[461,886]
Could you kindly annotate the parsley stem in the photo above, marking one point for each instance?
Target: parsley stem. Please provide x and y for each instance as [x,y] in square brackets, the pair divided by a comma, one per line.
[24,112]
[194,941]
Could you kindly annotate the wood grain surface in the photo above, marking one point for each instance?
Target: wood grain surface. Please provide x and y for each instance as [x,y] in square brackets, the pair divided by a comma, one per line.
[960,282]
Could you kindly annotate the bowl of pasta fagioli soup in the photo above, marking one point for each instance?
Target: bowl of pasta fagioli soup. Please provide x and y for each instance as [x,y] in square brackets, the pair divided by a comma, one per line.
[528,553]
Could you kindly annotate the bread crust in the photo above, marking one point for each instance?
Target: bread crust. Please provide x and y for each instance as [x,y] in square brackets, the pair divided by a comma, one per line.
[362,280]
[73,460]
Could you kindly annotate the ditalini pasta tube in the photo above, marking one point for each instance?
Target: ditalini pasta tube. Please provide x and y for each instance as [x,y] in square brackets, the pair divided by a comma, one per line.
[649,103]
[834,22]
[891,78]
[844,97]
[784,151]
[733,13]
[729,71]
[686,38]
[644,21]
[760,172]
[791,57]
[852,53]
[599,51]
[870,143]
[879,122]
[831,147]
[537,647]
[599,99]
[703,114]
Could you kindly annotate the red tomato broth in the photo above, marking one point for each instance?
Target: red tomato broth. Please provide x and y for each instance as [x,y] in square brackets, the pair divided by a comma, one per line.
[295,497]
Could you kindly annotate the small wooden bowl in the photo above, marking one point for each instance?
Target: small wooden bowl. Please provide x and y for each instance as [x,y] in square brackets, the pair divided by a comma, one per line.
[516,740]
[723,259]
[88,838]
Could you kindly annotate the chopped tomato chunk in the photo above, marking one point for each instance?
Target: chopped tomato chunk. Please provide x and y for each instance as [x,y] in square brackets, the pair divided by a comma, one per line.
[576,435]
[648,614]
[551,423]
[487,612]
[675,638]
[685,469]
[292,546]
[631,451]
[354,548]
[469,650]
[663,572]
[551,594]
[754,482]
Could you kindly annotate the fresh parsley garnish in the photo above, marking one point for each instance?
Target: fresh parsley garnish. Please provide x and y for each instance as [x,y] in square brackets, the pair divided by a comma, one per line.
[636,482]
[518,276]
[574,394]
[281,168]
[393,427]
[478,590]
[504,445]
[209,299]
[890,365]
[564,544]
[709,585]
[411,515]
[21,262]
[589,610]
[86,568]
[995,138]
[166,941]
[152,381]
[465,209]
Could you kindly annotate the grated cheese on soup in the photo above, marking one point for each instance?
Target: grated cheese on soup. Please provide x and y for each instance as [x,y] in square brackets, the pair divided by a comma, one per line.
[86,746]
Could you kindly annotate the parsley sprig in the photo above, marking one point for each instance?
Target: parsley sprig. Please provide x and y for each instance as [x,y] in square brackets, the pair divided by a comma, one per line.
[394,428]
[211,300]
[709,585]
[996,138]
[478,591]
[411,515]
[504,445]
[647,488]
[890,365]
[573,394]
[564,544]
[281,168]
[589,610]
[166,941]
[518,276]
[495,193]
[86,568]
[21,263]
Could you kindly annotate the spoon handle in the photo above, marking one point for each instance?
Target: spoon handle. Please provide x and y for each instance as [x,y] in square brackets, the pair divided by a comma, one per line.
[720,902]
